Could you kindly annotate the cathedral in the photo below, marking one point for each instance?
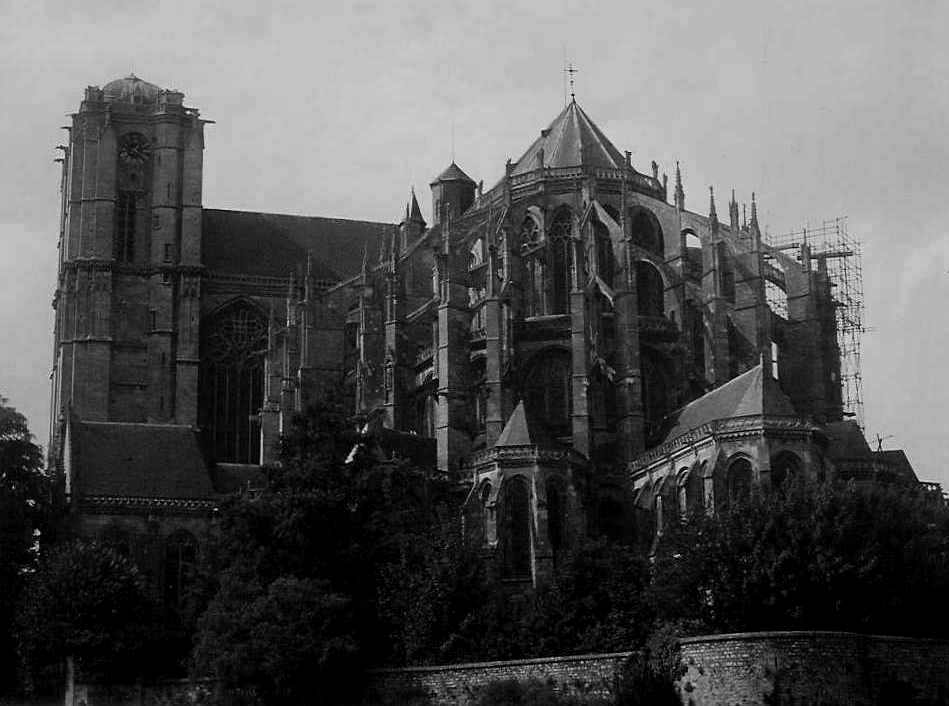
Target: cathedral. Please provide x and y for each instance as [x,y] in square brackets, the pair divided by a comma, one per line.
[574,345]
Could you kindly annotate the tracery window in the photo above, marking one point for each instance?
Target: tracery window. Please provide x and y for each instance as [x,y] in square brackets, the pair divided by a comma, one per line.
[233,347]
[561,245]
[515,536]
[547,391]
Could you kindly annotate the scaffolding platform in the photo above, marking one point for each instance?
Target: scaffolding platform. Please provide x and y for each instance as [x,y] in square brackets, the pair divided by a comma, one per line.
[841,255]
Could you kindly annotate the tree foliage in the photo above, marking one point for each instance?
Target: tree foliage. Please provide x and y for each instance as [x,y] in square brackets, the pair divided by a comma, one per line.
[328,527]
[26,516]
[813,556]
[88,602]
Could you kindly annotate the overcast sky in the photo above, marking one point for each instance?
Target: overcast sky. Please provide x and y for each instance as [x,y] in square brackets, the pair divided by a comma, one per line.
[824,109]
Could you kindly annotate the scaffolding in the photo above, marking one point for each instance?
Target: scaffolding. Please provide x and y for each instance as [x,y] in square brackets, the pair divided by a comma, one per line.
[842,255]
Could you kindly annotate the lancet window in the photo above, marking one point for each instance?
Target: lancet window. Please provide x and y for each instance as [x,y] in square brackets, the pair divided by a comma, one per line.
[535,269]
[561,245]
[515,529]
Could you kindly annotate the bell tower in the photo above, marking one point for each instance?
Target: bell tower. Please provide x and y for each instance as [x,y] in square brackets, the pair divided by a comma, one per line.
[129,277]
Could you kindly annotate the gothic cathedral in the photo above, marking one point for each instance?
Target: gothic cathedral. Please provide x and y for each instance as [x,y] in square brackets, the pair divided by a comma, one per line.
[573,344]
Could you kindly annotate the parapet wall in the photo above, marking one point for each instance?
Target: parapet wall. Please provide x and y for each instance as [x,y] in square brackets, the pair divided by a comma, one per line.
[591,675]
[814,667]
[787,668]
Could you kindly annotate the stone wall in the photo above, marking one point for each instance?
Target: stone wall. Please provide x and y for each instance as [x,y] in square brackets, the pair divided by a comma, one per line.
[814,668]
[593,675]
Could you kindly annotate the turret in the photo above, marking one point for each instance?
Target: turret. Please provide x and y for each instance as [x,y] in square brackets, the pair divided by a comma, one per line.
[412,225]
[453,192]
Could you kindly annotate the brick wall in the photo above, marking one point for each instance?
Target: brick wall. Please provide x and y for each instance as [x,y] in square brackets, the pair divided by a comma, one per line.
[592,675]
[814,668]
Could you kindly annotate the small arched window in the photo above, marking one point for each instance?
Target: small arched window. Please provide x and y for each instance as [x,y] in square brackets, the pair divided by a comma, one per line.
[515,529]
[181,554]
[561,247]
[784,468]
[739,481]
[689,491]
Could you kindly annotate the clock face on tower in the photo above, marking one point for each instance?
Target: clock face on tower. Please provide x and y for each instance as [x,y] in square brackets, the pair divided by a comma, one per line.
[134,148]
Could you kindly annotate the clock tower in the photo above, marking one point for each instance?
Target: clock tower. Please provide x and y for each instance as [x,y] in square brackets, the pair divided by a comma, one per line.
[126,337]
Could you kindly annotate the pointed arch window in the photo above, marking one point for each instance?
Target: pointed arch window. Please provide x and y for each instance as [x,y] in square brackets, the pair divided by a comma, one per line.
[547,391]
[561,246]
[515,529]
[535,269]
[739,481]
[233,346]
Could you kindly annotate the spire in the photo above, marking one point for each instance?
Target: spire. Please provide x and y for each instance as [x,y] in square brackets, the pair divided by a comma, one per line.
[679,192]
[712,215]
[733,213]
[365,264]
[754,211]
[308,282]
[744,216]
[413,212]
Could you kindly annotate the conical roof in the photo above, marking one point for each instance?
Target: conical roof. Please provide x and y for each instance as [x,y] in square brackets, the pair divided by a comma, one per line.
[521,430]
[572,140]
[453,173]
[413,212]
[751,393]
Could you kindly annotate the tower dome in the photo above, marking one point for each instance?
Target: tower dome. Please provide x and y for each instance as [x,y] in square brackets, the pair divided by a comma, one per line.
[131,89]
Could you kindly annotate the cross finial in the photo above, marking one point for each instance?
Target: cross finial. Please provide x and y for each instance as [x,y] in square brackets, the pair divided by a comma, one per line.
[570,70]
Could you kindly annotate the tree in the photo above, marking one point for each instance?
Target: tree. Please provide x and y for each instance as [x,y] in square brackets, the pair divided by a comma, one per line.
[89,602]
[813,556]
[26,514]
[327,526]
[288,642]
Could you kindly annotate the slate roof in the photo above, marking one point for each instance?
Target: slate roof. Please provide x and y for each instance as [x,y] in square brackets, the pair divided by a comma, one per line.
[572,139]
[273,245]
[521,430]
[846,441]
[899,464]
[453,173]
[138,461]
[751,393]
